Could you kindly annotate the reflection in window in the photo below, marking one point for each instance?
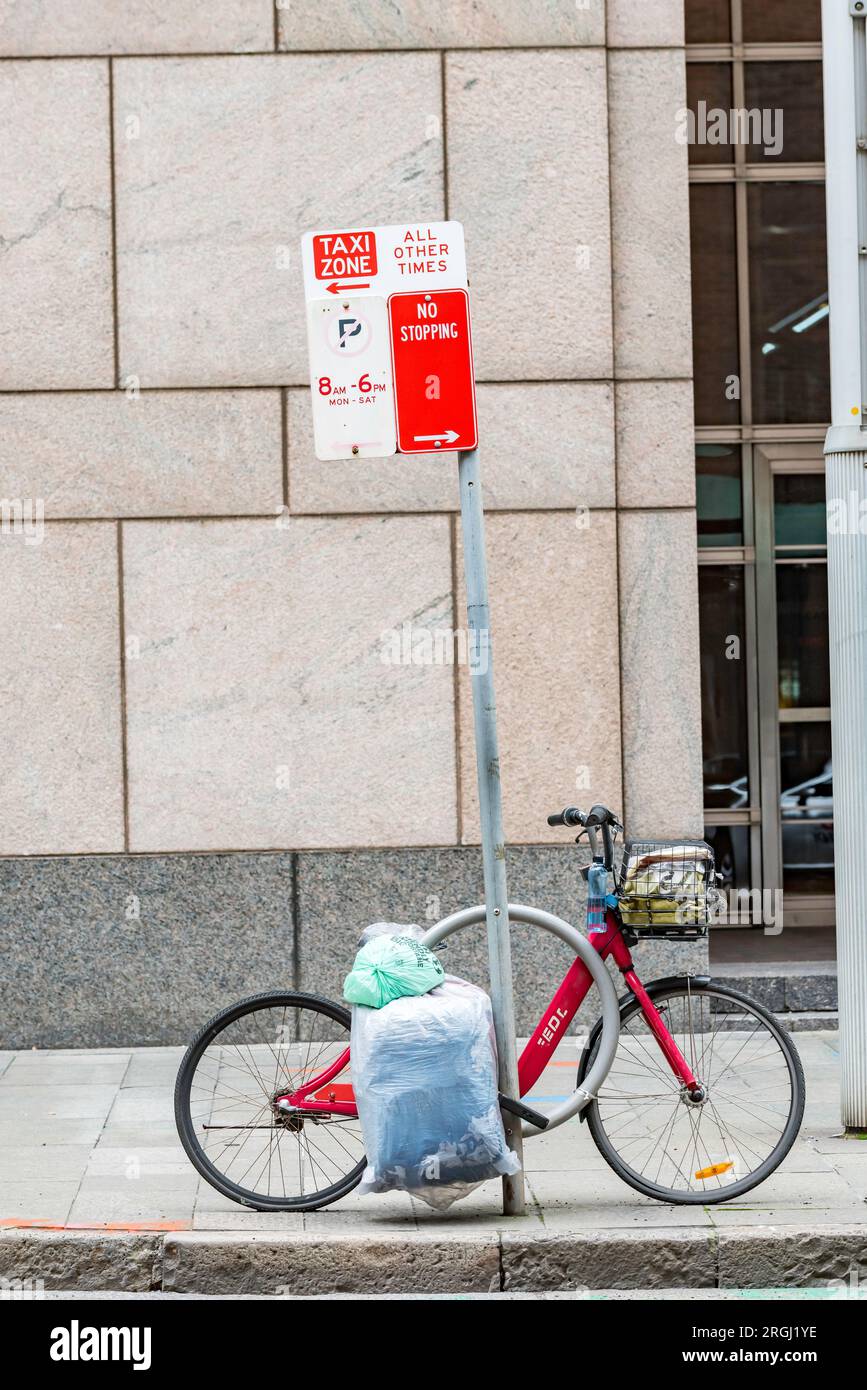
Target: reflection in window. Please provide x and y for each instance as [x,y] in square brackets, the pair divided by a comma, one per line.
[794,90]
[719,503]
[805,771]
[807,807]
[800,517]
[723,685]
[802,636]
[714,304]
[731,850]
[788,303]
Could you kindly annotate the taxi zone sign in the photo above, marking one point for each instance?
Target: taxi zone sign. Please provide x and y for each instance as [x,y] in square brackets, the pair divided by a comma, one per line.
[388,324]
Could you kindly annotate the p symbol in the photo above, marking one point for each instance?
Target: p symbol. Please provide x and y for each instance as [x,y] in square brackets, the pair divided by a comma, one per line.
[346,329]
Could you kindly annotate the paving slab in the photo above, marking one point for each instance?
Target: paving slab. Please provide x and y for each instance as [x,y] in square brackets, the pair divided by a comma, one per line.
[99,1160]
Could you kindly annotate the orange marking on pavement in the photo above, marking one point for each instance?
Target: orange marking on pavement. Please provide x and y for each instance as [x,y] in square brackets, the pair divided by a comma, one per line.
[41,1223]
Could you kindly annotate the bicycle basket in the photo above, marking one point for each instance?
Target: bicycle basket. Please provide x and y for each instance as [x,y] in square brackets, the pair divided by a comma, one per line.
[666,888]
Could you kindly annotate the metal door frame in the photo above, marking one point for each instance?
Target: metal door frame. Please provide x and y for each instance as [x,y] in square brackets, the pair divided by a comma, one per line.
[769,460]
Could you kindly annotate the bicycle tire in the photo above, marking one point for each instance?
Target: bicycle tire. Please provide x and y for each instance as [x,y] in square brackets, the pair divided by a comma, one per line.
[277,999]
[659,990]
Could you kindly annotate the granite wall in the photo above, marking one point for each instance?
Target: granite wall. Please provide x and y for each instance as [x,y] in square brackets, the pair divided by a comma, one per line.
[200,708]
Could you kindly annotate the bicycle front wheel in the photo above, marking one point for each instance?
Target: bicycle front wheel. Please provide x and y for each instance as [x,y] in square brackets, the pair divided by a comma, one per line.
[225,1104]
[675,1148]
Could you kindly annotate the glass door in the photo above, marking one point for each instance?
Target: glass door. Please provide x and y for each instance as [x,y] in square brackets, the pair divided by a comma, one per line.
[794,696]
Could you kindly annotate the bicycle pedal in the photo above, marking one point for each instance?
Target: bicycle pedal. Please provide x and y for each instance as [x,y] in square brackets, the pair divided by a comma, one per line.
[514,1107]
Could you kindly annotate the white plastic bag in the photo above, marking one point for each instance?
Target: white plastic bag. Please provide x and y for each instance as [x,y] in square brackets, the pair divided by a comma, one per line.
[390,929]
[424,1072]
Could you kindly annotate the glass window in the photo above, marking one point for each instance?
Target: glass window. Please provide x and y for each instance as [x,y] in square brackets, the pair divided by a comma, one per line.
[807,807]
[787,98]
[714,304]
[802,590]
[731,850]
[800,517]
[719,502]
[723,685]
[802,635]
[708,21]
[782,21]
[788,303]
[710,84]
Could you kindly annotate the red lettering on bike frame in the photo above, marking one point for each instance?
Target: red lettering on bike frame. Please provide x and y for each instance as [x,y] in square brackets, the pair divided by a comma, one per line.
[555,1020]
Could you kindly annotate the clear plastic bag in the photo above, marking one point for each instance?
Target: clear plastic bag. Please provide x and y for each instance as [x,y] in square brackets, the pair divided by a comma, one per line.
[424,1072]
[390,929]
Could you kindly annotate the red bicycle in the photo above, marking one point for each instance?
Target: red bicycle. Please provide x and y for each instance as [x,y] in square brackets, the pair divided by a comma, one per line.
[693,1092]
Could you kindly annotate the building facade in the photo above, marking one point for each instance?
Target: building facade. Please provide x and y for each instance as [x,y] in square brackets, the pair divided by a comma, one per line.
[237,713]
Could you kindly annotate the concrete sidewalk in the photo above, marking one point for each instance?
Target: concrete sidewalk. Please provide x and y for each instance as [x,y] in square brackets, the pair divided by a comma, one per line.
[95,1192]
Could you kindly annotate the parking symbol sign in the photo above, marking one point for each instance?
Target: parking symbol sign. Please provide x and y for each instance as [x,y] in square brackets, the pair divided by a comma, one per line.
[391,365]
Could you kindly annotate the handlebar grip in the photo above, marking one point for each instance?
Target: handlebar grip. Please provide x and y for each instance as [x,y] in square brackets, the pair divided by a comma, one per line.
[570,816]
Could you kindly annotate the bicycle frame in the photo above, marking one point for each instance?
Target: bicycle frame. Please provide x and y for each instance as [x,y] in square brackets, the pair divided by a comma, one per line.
[588,968]
[571,995]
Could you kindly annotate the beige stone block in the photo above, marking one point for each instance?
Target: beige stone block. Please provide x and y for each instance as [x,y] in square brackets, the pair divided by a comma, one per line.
[61,778]
[162,453]
[352,24]
[543,445]
[222,164]
[136,26]
[55,226]
[528,177]
[655,444]
[556,671]
[659,644]
[637,24]
[650,215]
[262,711]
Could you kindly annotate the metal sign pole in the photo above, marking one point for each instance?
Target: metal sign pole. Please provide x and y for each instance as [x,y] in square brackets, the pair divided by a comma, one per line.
[490,807]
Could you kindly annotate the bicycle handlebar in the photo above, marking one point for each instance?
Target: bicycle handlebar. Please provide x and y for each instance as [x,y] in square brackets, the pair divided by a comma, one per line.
[571,816]
[597,818]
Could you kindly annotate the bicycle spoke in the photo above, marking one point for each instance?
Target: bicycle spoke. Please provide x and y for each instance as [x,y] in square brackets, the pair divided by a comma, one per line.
[254,1058]
[665,1138]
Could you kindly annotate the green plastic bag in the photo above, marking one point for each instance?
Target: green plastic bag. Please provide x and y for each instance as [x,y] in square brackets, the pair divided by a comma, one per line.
[389,967]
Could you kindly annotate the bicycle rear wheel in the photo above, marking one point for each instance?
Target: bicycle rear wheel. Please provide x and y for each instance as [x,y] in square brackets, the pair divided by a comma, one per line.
[676,1149]
[232,1131]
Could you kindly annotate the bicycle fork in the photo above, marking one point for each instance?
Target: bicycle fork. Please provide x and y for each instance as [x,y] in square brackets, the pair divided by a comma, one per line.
[611,943]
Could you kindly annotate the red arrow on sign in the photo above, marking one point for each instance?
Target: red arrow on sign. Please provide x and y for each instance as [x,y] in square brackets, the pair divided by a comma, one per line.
[336,288]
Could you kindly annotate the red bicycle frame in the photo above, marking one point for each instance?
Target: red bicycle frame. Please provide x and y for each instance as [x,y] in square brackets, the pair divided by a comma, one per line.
[318,1095]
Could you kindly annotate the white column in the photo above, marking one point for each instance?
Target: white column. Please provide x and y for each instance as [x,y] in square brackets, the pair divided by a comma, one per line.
[845,79]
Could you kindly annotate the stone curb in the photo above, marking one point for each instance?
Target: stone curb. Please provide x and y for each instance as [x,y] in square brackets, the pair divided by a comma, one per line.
[293,1264]
[114,1260]
[657,1259]
[210,1262]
